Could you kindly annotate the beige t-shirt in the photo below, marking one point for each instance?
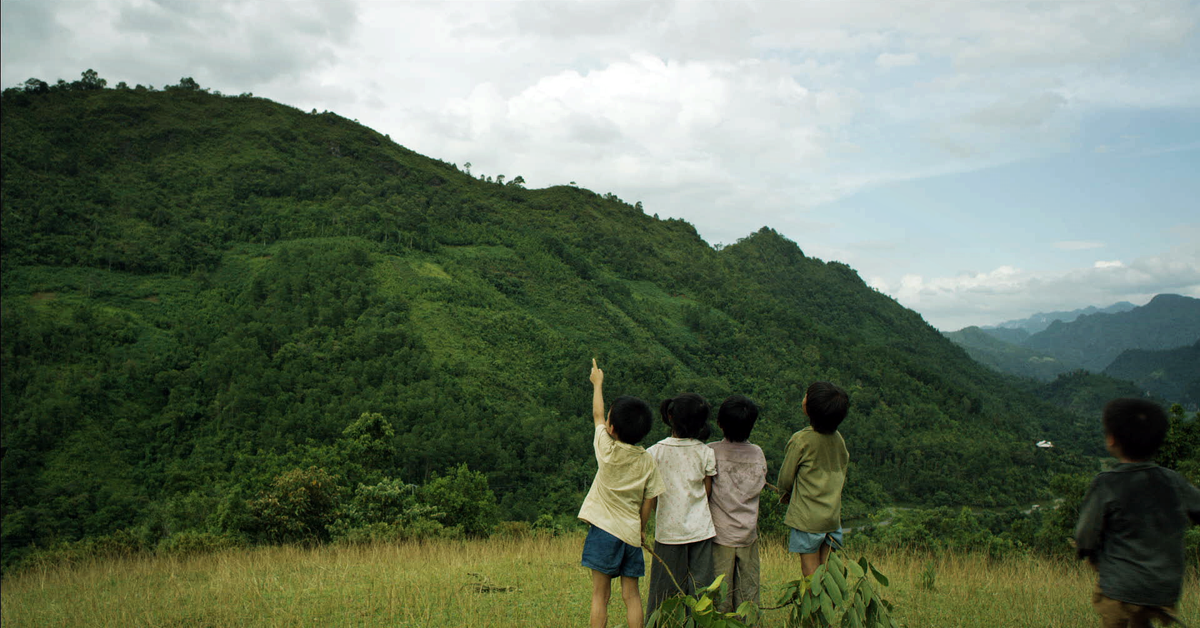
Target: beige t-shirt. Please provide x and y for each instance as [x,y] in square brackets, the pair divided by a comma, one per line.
[627,476]
[683,515]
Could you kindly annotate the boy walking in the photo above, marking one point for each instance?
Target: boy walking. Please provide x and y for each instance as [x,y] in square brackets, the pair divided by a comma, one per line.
[812,476]
[741,476]
[1132,521]
[627,477]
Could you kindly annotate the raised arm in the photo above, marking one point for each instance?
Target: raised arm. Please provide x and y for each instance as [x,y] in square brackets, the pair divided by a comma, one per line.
[597,378]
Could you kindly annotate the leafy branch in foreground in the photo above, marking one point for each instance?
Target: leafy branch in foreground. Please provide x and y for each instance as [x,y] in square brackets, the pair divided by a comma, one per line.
[839,593]
[687,611]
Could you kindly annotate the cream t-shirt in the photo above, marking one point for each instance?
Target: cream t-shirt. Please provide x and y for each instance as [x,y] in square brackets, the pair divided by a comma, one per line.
[683,515]
[626,477]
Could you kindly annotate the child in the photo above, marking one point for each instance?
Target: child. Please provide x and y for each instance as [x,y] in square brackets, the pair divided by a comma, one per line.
[741,476]
[626,478]
[812,475]
[684,530]
[1132,521]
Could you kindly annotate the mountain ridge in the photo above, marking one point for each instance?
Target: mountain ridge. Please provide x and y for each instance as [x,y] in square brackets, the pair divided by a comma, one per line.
[204,292]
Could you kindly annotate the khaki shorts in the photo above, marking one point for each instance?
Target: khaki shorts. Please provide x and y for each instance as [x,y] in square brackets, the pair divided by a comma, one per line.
[1117,614]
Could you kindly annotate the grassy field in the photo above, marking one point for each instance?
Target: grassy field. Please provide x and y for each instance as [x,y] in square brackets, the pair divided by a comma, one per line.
[433,584]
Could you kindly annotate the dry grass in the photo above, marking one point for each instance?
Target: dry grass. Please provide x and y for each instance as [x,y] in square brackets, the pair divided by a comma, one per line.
[430,584]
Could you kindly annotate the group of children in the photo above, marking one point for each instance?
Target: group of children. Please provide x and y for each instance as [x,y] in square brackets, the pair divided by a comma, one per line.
[706,499]
[705,496]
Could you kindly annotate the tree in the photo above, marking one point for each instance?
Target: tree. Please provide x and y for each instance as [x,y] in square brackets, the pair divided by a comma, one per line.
[36,86]
[518,181]
[91,80]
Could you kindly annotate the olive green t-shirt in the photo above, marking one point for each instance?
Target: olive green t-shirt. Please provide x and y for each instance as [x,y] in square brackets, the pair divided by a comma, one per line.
[813,473]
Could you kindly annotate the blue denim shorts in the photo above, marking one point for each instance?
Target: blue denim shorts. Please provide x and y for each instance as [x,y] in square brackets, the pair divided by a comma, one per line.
[612,556]
[809,543]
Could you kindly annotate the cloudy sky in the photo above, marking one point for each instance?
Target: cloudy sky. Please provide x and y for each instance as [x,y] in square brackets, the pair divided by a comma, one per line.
[978,161]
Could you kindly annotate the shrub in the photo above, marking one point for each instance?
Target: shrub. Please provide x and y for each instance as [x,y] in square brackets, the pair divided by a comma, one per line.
[193,542]
[119,544]
[299,505]
[513,529]
[464,499]
[385,512]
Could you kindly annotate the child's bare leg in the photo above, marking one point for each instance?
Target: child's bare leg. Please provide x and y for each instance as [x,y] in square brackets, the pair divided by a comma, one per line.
[824,551]
[601,591]
[633,601]
[810,562]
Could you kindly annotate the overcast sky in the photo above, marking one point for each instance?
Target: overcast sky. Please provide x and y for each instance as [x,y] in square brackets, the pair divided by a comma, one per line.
[978,161]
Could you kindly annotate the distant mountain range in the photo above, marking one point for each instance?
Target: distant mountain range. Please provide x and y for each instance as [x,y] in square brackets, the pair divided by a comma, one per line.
[1042,320]
[1153,346]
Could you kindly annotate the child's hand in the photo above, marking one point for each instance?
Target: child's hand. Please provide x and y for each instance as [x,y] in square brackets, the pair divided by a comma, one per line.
[597,376]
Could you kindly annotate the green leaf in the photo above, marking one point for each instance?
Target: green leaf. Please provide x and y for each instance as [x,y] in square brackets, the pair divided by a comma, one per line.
[835,593]
[716,584]
[839,578]
[816,585]
[704,603]
[856,569]
[878,576]
[827,608]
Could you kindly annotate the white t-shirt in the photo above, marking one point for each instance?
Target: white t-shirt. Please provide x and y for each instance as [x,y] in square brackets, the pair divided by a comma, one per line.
[683,515]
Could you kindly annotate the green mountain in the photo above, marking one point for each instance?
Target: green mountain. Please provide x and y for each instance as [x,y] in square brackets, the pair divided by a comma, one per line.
[1170,374]
[1168,321]
[1084,394]
[201,293]
[985,347]
[1015,336]
[1040,321]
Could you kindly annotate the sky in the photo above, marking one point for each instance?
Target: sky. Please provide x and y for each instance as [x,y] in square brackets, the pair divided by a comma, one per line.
[977,161]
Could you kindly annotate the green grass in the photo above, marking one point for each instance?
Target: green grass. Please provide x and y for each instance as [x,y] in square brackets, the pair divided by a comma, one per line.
[431,584]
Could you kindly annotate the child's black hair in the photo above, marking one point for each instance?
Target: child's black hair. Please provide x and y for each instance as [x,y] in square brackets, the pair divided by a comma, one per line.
[687,414]
[736,417]
[1138,426]
[630,418]
[826,406]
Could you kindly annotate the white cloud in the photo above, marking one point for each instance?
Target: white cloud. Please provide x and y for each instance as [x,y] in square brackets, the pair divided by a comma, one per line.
[732,115]
[1008,292]
[888,60]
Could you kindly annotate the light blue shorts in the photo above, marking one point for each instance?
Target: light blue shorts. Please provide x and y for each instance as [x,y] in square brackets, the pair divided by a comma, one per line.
[810,543]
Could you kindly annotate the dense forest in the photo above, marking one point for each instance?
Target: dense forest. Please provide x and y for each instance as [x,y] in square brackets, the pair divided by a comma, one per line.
[224,315]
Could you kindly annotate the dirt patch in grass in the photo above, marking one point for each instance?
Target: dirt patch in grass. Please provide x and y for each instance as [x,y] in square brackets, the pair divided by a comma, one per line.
[43,296]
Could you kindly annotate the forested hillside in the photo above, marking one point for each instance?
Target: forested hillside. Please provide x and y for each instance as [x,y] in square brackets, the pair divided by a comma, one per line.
[205,296]
[1169,374]
[987,347]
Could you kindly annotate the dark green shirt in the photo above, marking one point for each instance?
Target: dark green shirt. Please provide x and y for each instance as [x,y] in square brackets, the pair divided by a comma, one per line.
[1131,525]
